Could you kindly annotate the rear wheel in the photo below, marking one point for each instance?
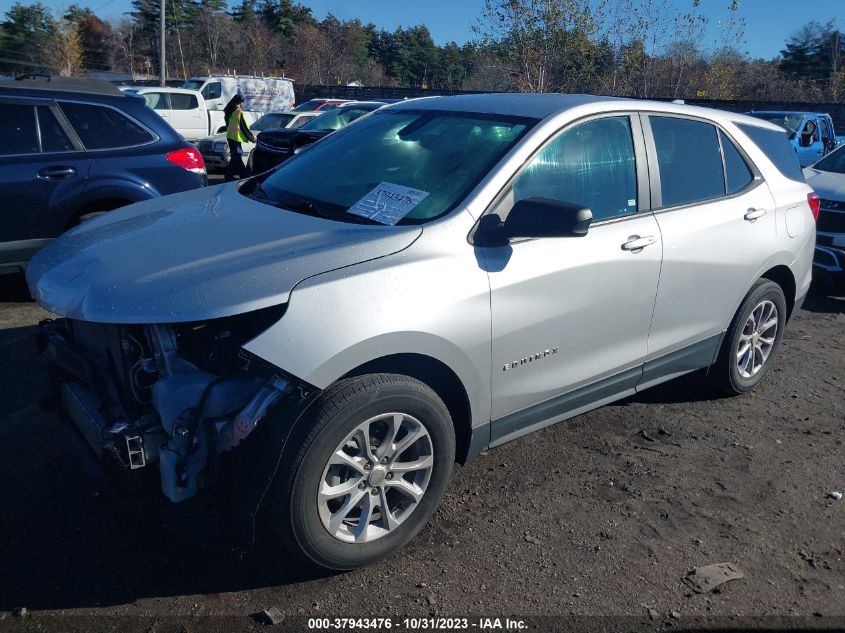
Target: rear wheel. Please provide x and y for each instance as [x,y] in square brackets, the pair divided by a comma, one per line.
[368,473]
[752,340]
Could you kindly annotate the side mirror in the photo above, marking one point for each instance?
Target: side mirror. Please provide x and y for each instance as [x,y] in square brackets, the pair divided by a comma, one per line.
[534,217]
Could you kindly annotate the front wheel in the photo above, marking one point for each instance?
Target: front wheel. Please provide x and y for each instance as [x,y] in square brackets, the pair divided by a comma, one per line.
[752,339]
[367,474]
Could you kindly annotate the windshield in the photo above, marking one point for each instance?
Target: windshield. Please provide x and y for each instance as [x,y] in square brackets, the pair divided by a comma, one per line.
[833,162]
[338,118]
[272,121]
[435,157]
[192,84]
[787,120]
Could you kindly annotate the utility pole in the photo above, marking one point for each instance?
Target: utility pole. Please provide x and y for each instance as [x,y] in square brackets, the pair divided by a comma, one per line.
[162,68]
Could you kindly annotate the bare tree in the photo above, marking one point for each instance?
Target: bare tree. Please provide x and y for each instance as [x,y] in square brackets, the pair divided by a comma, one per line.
[125,34]
[542,35]
[65,48]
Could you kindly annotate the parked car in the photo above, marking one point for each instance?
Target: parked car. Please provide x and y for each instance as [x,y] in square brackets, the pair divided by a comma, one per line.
[321,345]
[811,133]
[827,178]
[274,147]
[319,105]
[261,94]
[73,148]
[184,110]
[215,149]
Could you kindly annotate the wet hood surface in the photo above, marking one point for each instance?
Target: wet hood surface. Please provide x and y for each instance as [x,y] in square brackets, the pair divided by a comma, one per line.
[196,255]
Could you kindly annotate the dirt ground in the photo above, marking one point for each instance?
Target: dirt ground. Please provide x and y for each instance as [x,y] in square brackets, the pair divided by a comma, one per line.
[599,516]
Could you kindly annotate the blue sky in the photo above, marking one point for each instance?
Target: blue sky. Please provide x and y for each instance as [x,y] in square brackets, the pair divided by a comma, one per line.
[768,22]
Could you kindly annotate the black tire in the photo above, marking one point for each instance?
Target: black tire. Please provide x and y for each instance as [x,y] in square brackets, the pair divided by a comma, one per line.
[291,504]
[725,374]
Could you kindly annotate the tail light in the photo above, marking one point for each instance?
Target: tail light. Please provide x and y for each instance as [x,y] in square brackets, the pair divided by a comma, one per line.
[815,202]
[188,158]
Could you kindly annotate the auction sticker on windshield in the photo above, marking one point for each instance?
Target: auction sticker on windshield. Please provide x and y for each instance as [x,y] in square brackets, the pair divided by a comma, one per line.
[388,203]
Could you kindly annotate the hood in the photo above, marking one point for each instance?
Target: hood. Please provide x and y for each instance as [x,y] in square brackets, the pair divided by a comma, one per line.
[827,184]
[196,255]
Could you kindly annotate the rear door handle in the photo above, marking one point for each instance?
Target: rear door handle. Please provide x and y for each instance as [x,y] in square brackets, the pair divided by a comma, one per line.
[56,173]
[753,214]
[637,243]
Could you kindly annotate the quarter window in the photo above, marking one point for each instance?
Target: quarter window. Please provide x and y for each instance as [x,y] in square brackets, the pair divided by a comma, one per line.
[737,174]
[17,129]
[592,164]
[776,146]
[104,128]
[689,160]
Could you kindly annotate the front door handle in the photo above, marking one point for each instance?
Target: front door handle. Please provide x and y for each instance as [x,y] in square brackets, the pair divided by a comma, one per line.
[752,214]
[636,243]
[56,173]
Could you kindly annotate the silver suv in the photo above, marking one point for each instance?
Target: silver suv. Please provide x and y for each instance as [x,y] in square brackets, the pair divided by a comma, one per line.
[322,344]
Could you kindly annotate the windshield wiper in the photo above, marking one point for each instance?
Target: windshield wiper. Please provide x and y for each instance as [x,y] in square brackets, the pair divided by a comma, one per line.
[259,194]
[307,207]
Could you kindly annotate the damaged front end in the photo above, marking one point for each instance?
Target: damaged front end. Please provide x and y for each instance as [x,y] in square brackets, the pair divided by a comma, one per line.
[178,399]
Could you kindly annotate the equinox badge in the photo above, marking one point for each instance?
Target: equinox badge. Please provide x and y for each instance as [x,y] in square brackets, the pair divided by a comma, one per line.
[529,359]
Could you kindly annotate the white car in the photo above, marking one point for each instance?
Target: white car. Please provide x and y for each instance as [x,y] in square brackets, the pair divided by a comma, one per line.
[312,349]
[184,110]
[215,149]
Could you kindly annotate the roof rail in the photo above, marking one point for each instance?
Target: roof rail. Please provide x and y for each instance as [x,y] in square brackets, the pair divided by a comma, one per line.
[44,81]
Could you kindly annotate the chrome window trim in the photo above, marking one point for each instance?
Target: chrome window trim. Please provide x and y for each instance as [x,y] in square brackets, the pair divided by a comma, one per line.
[654,169]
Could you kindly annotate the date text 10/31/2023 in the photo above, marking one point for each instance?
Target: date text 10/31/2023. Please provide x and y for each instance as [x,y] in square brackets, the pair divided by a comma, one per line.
[417,624]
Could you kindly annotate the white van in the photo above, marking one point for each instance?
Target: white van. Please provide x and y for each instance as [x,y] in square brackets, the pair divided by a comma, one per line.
[261,95]
[184,110]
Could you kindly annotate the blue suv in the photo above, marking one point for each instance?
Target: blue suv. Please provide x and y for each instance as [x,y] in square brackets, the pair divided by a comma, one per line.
[74,148]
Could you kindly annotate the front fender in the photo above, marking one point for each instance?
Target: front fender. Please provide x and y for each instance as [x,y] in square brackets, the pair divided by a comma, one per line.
[418,301]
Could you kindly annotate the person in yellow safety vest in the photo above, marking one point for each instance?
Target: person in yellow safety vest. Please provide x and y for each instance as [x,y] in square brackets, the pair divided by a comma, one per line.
[237,131]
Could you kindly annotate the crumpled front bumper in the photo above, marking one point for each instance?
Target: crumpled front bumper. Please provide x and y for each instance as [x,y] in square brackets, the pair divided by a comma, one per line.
[222,508]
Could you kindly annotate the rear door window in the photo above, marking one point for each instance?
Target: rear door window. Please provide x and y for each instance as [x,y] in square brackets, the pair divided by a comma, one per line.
[775,144]
[17,129]
[53,137]
[157,100]
[101,127]
[180,101]
[592,164]
[689,160]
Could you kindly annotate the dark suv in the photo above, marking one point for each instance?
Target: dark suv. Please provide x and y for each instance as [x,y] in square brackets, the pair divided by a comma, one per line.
[72,148]
[273,147]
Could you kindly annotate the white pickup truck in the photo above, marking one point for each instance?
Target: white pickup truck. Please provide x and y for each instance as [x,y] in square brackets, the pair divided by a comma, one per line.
[185,110]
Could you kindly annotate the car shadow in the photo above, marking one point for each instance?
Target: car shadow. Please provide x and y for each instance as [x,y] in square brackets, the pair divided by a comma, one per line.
[13,288]
[64,543]
[693,387]
[820,302]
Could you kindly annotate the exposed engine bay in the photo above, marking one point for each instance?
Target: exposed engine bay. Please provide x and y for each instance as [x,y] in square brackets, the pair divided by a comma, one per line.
[173,397]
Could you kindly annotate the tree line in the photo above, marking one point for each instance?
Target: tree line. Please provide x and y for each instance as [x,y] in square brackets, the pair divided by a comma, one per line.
[639,48]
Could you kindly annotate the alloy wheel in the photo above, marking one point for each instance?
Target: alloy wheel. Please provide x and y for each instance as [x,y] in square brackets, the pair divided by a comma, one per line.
[757,339]
[375,478]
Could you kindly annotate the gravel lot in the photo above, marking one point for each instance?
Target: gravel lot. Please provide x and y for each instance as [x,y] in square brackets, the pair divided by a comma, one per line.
[602,515]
